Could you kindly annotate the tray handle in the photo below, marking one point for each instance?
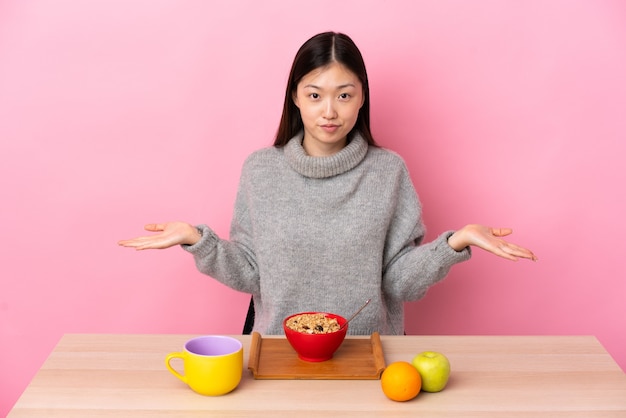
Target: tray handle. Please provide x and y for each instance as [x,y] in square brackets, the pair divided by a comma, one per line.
[377,351]
[255,353]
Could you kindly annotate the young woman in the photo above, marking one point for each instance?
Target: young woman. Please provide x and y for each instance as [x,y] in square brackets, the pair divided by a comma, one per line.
[326,219]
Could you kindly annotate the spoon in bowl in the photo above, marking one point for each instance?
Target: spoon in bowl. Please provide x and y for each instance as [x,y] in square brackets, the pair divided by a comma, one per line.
[355,314]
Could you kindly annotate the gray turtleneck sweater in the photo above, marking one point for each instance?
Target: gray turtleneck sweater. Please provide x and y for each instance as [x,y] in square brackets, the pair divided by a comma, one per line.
[326,234]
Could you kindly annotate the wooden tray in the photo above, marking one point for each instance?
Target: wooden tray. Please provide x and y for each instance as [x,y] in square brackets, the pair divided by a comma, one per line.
[356,359]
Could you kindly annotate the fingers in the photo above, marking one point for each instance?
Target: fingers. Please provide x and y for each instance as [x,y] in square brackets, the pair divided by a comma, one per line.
[139,243]
[513,252]
[143,243]
[154,227]
[167,235]
[528,254]
[509,250]
[501,232]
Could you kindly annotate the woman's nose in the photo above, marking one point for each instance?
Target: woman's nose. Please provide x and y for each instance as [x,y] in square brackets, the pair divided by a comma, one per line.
[329,110]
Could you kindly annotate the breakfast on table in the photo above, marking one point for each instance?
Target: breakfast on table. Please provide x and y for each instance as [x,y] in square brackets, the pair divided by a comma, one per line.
[213,364]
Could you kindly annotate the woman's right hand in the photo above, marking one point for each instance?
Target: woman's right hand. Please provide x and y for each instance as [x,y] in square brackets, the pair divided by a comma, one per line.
[168,235]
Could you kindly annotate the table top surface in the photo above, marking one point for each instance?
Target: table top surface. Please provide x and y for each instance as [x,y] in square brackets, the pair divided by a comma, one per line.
[98,375]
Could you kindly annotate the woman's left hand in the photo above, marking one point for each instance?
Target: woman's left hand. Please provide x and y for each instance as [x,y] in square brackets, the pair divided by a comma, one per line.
[489,239]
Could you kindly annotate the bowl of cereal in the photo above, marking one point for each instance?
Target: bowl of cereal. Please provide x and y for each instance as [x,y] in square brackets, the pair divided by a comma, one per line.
[315,335]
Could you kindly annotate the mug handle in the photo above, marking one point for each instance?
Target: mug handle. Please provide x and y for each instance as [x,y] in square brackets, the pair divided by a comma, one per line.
[171,356]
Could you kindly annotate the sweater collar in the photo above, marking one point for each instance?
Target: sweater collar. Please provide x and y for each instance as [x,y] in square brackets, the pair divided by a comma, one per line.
[321,167]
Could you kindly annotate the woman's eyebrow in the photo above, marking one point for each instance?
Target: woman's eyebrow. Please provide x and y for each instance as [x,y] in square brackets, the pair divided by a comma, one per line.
[341,86]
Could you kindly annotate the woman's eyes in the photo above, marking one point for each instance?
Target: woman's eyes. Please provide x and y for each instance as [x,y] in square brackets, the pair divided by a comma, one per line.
[342,96]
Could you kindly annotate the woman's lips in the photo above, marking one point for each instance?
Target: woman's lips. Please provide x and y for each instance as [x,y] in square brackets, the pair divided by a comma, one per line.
[330,128]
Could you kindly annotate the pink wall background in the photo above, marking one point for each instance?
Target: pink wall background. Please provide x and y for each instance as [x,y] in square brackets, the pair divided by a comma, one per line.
[114,114]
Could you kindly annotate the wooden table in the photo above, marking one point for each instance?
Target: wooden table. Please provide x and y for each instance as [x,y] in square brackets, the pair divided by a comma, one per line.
[492,376]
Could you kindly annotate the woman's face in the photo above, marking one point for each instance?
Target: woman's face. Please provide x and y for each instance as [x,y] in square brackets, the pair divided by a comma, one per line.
[329,99]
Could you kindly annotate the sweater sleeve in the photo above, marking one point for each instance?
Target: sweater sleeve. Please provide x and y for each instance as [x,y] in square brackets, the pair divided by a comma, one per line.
[231,262]
[226,261]
[411,267]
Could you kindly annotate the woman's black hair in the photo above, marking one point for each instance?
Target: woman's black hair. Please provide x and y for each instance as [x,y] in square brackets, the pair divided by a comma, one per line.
[320,51]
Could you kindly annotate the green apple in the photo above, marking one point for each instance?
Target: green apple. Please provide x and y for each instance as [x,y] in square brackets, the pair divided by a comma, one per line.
[434,368]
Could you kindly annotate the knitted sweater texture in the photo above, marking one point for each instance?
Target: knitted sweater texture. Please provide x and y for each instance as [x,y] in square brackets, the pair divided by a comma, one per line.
[326,234]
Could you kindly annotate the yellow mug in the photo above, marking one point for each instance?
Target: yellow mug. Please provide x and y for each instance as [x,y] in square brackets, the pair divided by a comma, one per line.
[213,364]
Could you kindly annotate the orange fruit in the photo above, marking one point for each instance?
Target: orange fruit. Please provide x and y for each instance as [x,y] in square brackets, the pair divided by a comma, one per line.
[401,381]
